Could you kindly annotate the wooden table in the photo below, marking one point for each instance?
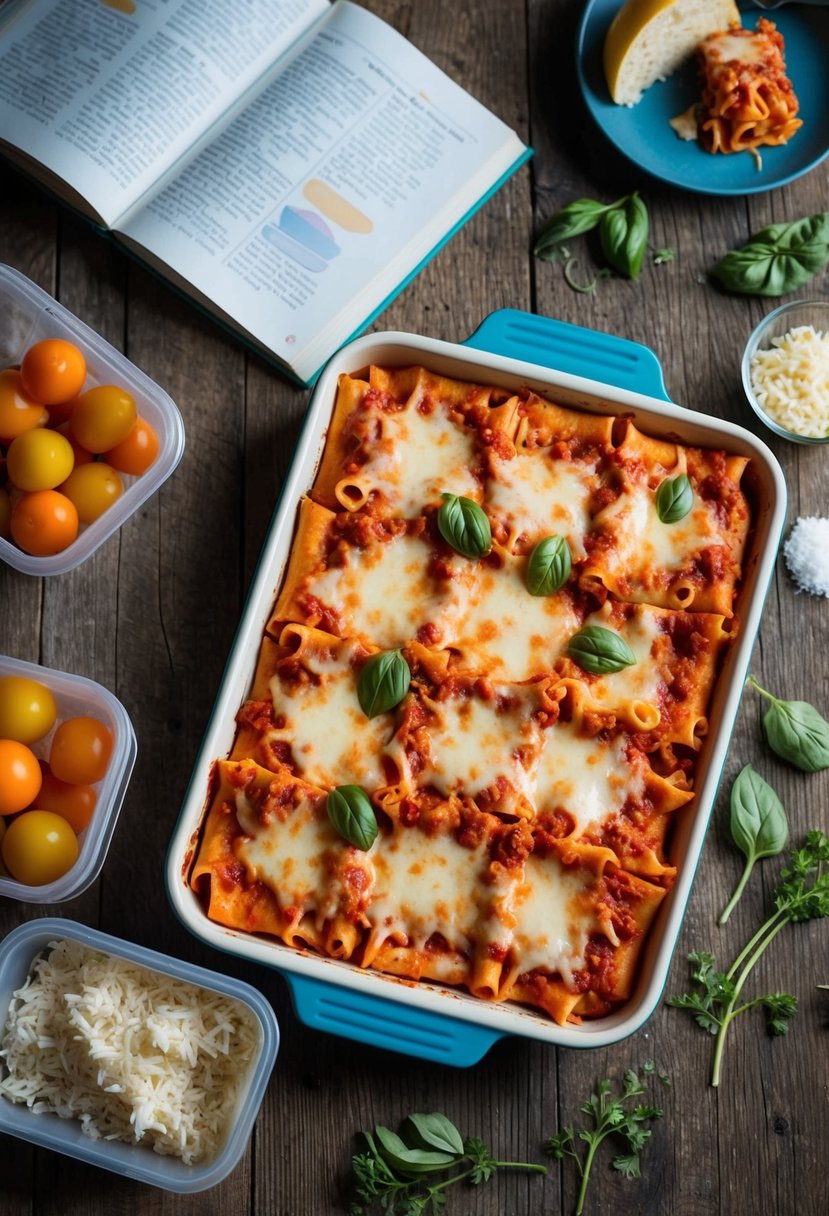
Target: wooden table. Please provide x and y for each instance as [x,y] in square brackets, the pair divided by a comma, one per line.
[152,615]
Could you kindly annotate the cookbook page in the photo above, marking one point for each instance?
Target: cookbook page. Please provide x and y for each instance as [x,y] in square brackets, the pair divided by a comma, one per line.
[336,179]
[108,94]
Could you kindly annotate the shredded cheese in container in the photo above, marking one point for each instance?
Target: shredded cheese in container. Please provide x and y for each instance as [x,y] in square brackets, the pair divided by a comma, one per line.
[806,553]
[133,1054]
[791,381]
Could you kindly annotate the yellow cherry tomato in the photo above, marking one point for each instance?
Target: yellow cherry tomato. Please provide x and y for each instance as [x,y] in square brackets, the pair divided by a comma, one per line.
[137,452]
[18,411]
[40,459]
[5,513]
[74,803]
[53,371]
[80,751]
[102,417]
[27,709]
[44,522]
[92,488]
[39,847]
[20,776]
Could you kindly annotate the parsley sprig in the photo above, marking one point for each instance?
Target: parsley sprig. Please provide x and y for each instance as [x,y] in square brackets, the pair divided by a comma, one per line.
[619,1116]
[408,1174]
[802,894]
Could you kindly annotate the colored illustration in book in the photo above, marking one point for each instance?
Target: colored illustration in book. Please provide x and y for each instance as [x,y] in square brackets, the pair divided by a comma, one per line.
[120,6]
[305,236]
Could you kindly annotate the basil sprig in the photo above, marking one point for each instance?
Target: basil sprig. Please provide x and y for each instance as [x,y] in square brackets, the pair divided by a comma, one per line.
[383,682]
[549,566]
[674,499]
[759,826]
[352,816]
[464,526]
[576,218]
[599,650]
[796,731]
[778,259]
[623,233]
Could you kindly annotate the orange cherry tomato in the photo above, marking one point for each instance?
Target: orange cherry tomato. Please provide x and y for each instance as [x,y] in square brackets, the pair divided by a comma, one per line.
[27,709]
[80,752]
[53,371]
[74,803]
[102,417]
[18,411]
[39,459]
[5,513]
[137,452]
[39,847]
[20,776]
[44,522]
[81,455]
[92,488]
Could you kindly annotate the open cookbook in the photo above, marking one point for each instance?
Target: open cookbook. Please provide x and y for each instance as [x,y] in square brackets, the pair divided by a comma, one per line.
[287,164]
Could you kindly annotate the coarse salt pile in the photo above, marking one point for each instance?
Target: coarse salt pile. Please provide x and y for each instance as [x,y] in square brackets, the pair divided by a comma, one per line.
[806,553]
[791,381]
[133,1054]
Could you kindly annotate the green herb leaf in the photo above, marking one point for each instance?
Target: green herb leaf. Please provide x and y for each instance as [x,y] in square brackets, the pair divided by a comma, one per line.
[778,259]
[410,1160]
[780,1008]
[549,566]
[383,682]
[432,1131]
[571,221]
[674,499]
[759,826]
[796,731]
[599,650]
[623,233]
[352,815]
[464,526]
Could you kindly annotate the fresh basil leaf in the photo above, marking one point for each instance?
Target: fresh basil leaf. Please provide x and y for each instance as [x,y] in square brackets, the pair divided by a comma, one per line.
[410,1160]
[674,499]
[796,732]
[383,682]
[464,526]
[549,566]
[433,1131]
[623,233]
[352,815]
[573,220]
[600,650]
[759,826]
[778,259]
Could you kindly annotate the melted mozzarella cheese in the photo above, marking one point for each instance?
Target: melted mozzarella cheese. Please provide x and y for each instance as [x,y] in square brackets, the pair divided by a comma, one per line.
[516,634]
[420,456]
[424,885]
[385,593]
[472,744]
[332,741]
[589,780]
[552,922]
[640,681]
[644,542]
[747,48]
[537,496]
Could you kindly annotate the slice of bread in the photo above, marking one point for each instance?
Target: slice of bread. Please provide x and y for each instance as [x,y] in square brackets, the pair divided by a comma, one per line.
[649,39]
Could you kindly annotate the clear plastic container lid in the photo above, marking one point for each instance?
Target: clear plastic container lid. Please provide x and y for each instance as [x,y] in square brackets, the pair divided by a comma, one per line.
[27,315]
[77,696]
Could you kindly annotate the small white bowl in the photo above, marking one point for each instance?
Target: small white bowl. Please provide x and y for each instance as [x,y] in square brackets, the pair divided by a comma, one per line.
[17,953]
[77,696]
[28,314]
[775,325]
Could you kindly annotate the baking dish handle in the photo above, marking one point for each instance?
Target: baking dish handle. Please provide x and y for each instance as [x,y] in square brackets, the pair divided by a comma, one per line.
[572,349]
[388,1024]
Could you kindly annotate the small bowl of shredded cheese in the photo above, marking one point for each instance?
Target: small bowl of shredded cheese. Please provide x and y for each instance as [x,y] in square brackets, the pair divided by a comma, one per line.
[127,1059]
[786,371]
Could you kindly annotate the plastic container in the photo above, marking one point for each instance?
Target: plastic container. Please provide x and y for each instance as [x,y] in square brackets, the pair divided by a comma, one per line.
[575,367]
[75,696]
[775,325]
[27,315]
[17,953]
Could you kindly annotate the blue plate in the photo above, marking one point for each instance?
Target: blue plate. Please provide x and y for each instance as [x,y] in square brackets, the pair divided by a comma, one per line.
[642,132]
